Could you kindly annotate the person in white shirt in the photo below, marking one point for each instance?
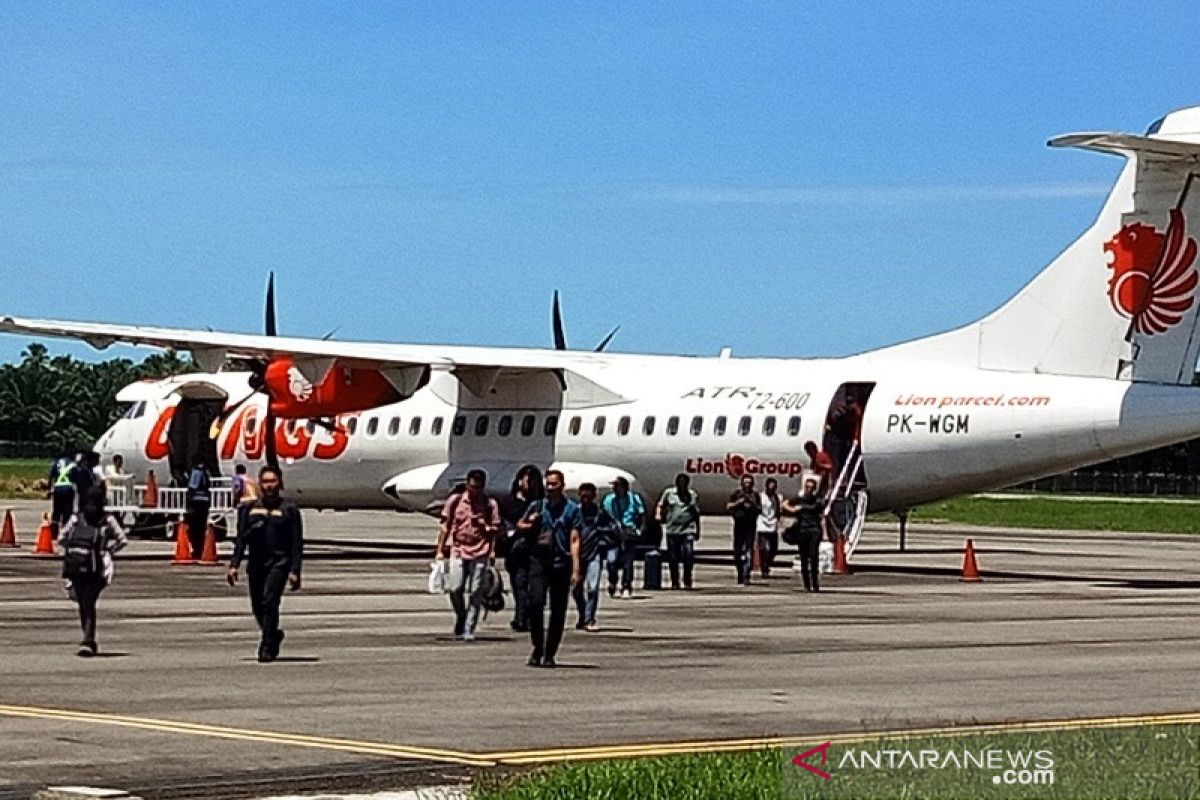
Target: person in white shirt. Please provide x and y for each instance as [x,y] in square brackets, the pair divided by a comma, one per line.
[768,526]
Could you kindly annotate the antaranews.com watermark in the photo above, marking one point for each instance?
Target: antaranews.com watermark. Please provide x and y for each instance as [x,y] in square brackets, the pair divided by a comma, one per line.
[1149,761]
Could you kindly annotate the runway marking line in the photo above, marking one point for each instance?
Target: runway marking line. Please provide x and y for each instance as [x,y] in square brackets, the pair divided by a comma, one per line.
[590,753]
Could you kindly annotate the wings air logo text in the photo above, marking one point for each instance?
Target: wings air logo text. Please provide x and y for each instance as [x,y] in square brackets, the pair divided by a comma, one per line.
[1153,280]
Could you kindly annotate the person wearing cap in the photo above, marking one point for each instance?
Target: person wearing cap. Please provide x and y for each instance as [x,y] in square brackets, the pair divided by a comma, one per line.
[679,514]
[628,511]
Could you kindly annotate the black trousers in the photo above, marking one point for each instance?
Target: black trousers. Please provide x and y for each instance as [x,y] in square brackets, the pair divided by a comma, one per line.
[197,522]
[267,582]
[768,546]
[62,506]
[517,564]
[87,592]
[681,549]
[743,543]
[546,580]
[810,548]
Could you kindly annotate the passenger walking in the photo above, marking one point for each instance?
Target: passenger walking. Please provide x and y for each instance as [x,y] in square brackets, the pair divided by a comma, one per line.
[628,510]
[679,514]
[272,543]
[199,501]
[62,490]
[554,567]
[821,463]
[245,492]
[808,508]
[596,528]
[88,541]
[768,526]
[744,506]
[470,525]
[516,545]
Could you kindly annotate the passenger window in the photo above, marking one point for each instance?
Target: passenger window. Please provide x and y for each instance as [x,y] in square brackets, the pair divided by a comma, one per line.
[372,426]
[744,427]
[598,426]
[436,427]
[697,425]
[551,426]
[481,424]
[719,426]
[794,426]
[768,426]
[527,425]
[394,426]
[504,428]
[575,426]
[460,425]
[623,426]
[414,426]
[672,426]
[648,426]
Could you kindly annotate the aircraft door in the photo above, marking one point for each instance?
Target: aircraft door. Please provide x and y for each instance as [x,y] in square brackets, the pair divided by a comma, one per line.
[189,437]
[847,495]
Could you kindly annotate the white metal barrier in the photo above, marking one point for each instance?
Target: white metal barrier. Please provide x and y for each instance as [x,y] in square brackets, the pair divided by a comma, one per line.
[131,499]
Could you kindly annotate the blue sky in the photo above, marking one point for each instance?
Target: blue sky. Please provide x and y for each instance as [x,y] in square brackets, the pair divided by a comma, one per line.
[779,178]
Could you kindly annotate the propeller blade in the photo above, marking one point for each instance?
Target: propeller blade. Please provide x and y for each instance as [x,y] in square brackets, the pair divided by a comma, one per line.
[560,338]
[218,424]
[604,342]
[329,335]
[269,322]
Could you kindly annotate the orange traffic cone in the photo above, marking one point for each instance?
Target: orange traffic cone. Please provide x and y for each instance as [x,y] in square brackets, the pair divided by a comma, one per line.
[970,570]
[44,546]
[183,547]
[209,556]
[840,565]
[8,535]
[150,496]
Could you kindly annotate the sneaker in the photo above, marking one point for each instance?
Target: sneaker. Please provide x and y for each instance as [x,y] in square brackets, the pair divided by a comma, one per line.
[674,587]
[612,590]
[535,659]
[265,656]
[626,594]
[468,636]
[549,663]
[86,650]
[276,643]
[581,625]
[592,627]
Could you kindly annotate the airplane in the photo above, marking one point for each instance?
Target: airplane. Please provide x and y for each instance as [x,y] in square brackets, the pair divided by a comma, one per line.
[1092,360]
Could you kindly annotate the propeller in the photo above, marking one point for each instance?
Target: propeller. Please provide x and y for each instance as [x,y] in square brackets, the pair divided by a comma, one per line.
[560,336]
[258,383]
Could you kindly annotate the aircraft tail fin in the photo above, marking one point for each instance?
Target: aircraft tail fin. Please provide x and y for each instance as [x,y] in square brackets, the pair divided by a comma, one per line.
[1121,301]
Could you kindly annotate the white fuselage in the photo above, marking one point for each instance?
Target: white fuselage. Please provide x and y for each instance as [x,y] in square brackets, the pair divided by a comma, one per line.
[928,431]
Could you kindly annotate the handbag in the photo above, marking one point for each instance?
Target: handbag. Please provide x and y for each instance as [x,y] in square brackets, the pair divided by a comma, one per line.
[437,577]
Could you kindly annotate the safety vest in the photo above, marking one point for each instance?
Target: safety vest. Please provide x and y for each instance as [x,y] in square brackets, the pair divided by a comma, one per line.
[64,475]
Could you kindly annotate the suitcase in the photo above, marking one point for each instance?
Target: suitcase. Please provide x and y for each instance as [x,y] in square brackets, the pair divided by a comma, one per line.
[652,571]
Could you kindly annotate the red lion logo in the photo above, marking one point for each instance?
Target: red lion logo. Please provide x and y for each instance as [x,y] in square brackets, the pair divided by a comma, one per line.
[735,465]
[1153,281]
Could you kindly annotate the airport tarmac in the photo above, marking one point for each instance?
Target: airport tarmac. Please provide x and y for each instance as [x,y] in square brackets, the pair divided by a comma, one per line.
[372,691]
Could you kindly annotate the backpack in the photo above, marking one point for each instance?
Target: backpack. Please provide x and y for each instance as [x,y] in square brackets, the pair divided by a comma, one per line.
[491,590]
[83,552]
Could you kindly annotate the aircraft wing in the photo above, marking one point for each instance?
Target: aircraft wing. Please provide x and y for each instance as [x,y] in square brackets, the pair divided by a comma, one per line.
[477,368]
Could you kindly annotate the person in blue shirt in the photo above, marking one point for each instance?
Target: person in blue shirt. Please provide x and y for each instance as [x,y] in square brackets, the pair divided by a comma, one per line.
[629,512]
[595,530]
[553,568]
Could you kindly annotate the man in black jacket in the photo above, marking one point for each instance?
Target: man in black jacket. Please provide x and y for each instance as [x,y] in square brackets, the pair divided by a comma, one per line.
[273,534]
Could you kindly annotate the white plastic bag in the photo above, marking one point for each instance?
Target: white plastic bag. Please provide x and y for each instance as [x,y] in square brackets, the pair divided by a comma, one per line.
[437,577]
[825,558]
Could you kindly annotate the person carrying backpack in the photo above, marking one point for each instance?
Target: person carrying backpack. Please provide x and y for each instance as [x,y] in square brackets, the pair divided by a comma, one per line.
[199,501]
[87,541]
[629,512]
[470,525]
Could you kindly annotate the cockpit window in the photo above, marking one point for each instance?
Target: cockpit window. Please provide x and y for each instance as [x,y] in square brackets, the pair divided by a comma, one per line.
[135,410]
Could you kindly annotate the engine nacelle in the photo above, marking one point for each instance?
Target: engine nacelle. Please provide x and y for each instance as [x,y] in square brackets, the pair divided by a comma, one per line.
[338,388]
